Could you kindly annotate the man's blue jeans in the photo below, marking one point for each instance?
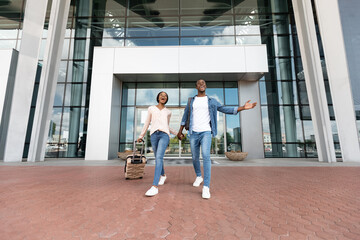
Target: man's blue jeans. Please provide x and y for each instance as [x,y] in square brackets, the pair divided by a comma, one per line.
[202,139]
[159,143]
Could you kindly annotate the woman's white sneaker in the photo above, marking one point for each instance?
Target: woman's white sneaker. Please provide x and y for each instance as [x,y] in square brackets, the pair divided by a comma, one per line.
[198,181]
[152,191]
[205,192]
[162,180]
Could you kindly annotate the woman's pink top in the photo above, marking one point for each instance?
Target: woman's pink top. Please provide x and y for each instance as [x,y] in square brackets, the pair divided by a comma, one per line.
[159,119]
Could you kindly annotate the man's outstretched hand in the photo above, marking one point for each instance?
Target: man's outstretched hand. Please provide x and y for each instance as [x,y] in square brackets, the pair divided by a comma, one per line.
[249,105]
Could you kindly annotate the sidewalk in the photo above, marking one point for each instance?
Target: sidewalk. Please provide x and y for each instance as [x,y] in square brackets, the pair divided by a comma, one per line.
[55,200]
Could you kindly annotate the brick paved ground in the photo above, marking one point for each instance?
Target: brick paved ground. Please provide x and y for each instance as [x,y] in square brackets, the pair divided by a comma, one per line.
[84,202]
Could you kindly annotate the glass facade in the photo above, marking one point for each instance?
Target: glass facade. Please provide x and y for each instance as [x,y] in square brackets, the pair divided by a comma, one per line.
[137,97]
[287,126]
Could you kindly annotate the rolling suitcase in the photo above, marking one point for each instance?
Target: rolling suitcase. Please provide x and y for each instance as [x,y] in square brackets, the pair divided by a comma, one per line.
[135,164]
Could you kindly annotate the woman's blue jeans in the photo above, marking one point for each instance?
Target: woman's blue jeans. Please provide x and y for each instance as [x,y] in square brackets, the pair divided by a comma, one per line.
[159,143]
[202,139]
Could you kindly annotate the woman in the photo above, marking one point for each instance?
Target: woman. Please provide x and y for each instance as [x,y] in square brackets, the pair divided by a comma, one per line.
[159,116]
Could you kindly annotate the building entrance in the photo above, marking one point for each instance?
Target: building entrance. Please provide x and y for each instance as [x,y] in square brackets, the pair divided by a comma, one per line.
[137,97]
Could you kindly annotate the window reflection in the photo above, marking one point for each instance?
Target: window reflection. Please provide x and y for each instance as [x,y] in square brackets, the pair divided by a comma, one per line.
[153,8]
[152,27]
[204,7]
[207,26]
[127,124]
[147,92]
[151,42]
[207,41]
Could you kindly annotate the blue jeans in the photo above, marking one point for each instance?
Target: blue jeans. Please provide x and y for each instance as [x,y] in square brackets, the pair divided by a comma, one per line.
[202,139]
[159,143]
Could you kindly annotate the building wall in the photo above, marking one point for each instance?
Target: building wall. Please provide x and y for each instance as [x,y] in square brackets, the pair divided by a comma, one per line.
[285,109]
[351,31]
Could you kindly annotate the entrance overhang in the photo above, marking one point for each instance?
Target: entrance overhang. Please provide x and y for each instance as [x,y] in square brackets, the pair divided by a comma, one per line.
[111,66]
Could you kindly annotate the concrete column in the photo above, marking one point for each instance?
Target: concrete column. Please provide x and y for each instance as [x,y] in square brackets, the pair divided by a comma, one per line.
[8,63]
[314,79]
[100,108]
[24,80]
[250,120]
[48,80]
[328,16]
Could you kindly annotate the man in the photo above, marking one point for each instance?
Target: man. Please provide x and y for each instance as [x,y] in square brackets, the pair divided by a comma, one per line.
[203,125]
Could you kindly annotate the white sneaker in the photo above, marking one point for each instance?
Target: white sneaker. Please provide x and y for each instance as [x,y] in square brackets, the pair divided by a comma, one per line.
[206,192]
[152,191]
[162,180]
[198,181]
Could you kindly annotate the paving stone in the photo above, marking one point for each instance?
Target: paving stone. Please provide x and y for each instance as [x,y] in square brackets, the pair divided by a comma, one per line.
[96,202]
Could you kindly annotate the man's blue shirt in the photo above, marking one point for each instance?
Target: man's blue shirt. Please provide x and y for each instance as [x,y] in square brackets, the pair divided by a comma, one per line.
[214,106]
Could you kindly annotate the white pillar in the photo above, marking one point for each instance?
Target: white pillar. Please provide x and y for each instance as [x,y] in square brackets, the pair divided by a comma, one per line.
[8,63]
[314,80]
[250,120]
[328,16]
[49,74]
[100,108]
[25,78]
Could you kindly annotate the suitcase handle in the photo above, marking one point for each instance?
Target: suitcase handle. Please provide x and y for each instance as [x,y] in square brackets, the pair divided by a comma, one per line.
[142,149]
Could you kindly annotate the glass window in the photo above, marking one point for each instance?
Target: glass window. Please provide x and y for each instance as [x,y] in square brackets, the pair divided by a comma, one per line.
[79,49]
[75,95]
[233,129]
[284,150]
[207,41]
[147,92]
[77,71]
[151,42]
[62,71]
[187,90]
[59,95]
[204,7]
[248,40]
[54,131]
[302,92]
[128,94]
[311,151]
[215,90]
[127,124]
[152,27]
[291,124]
[114,8]
[231,93]
[207,26]
[251,7]
[109,27]
[217,143]
[153,8]
[82,27]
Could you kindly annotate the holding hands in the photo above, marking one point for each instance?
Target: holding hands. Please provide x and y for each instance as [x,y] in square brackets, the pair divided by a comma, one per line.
[180,136]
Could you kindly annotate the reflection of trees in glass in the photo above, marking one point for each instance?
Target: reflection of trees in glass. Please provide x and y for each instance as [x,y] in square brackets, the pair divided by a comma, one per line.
[217,145]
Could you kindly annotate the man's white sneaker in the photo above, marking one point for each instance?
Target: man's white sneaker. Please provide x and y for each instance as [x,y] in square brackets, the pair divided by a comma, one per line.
[162,180]
[206,192]
[198,181]
[152,191]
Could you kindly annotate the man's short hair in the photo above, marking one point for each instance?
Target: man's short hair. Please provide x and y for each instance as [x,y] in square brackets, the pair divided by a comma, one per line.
[199,80]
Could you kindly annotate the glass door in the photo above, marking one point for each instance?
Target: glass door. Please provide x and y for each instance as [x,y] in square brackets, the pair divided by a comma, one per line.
[176,148]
